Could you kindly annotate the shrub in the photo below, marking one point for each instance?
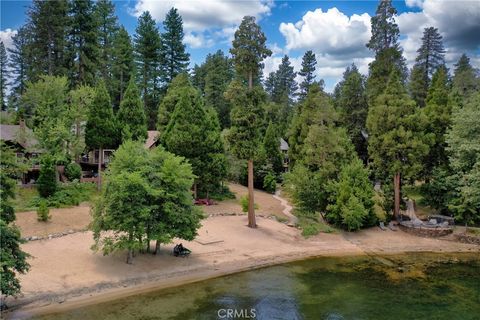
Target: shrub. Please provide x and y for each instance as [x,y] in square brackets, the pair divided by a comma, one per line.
[43,212]
[270,183]
[73,171]
[67,195]
[47,181]
[244,203]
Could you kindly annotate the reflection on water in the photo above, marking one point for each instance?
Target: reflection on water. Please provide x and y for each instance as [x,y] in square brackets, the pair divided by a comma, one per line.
[414,286]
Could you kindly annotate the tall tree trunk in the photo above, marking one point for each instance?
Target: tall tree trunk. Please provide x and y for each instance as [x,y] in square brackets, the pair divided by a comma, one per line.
[157,247]
[251,207]
[195,195]
[396,187]
[99,177]
[130,250]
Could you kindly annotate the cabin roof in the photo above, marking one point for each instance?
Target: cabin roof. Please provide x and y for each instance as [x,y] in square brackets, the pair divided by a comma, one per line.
[13,133]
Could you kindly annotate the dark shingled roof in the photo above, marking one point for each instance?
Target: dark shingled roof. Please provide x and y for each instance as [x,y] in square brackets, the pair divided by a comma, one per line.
[12,133]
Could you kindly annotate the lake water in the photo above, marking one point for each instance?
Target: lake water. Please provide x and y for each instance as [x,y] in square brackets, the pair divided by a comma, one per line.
[413,286]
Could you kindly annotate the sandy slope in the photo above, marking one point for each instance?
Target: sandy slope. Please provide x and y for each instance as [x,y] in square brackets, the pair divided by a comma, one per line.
[65,272]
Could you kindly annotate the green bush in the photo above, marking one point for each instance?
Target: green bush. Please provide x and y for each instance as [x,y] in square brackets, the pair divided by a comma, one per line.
[270,183]
[73,171]
[47,181]
[43,212]
[244,203]
[67,195]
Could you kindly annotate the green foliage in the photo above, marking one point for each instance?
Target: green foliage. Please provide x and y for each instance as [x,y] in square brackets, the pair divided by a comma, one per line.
[271,145]
[194,133]
[270,182]
[465,82]
[146,197]
[122,64]
[148,59]
[43,212]
[4,74]
[173,49]
[309,62]
[244,204]
[13,259]
[249,49]
[81,100]
[47,180]
[351,102]
[131,115]
[73,171]
[352,198]
[101,129]
[247,115]
[397,143]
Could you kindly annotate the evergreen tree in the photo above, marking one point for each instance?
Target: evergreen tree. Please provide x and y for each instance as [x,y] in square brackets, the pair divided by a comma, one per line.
[49,23]
[285,85]
[122,64]
[173,48]
[248,51]
[195,135]
[4,75]
[83,47]
[131,115]
[437,113]
[47,179]
[101,130]
[396,142]
[20,62]
[80,101]
[148,60]
[465,81]
[307,72]
[351,102]
[170,100]
[388,54]
[13,258]
[431,55]
[463,141]
[271,145]
[218,75]
[107,23]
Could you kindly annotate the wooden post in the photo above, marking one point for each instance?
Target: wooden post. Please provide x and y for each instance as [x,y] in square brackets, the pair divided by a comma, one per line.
[396,186]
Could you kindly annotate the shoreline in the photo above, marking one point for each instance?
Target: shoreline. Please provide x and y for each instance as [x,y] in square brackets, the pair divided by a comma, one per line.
[286,246]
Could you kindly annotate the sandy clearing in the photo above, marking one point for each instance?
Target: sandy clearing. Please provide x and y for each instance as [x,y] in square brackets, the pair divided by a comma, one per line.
[66,273]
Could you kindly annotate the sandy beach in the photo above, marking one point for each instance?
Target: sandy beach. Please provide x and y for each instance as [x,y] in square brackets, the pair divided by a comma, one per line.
[82,277]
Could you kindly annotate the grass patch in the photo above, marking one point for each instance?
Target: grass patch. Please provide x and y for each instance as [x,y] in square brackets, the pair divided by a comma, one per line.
[474,231]
[23,199]
[311,224]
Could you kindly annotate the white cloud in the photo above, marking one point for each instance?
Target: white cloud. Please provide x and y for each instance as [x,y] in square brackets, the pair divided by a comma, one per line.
[6,37]
[210,20]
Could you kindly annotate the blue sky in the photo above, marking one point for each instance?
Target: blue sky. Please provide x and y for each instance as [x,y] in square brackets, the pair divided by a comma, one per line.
[335,30]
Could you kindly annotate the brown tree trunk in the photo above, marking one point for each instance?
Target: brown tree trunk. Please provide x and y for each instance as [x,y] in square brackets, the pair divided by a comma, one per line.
[99,177]
[396,188]
[130,251]
[195,190]
[157,247]
[251,207]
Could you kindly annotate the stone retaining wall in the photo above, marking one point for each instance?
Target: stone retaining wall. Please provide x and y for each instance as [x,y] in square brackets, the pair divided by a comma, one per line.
[426,232]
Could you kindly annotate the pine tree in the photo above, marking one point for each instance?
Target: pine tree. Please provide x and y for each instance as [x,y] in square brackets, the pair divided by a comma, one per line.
[13,258]
[122,65]
[431,55]
[465,82]
[307,72]
[47,179]
[438,113]
[397,143]
[49,24]
[147,46]
[351,102]
[193,134]
[101,130]
[388,54]
[285,86]
[107,23]
[248,51]
[131,115]
[4,75]
[218,74]
[271,145]
[173,48]
[83,47]
[170,100]
[20,62]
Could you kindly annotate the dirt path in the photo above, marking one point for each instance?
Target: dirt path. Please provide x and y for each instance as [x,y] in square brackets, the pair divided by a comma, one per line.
[293,220]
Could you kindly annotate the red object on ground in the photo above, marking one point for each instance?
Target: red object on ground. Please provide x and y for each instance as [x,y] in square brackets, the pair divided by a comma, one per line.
[204,202]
